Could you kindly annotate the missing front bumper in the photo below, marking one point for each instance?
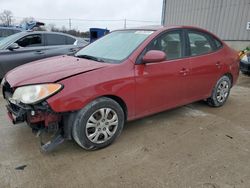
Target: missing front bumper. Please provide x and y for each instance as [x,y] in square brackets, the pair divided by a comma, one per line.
[40,117]
[42,120]
[16,116]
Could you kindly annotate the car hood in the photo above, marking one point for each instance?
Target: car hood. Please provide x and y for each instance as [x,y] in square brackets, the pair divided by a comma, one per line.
[51,70]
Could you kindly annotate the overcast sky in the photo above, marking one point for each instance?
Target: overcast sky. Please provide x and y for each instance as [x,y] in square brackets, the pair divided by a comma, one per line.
[148,10]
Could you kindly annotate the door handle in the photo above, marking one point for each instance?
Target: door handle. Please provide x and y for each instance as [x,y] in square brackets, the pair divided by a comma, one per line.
[184,71]
[72,50]
[39,52]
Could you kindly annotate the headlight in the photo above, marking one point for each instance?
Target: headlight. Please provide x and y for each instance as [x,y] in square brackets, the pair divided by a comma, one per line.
[35,93]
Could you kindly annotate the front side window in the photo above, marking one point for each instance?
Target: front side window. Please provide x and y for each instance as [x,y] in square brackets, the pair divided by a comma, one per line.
[199,44]
[115,46]
[170,43]
[30,41]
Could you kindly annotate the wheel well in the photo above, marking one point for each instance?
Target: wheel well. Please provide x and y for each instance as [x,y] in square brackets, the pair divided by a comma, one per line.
[230,76]
[120,102]
[69,118]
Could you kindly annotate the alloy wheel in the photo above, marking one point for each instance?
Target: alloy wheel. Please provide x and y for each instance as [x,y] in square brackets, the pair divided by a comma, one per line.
[101,125]
[222,91]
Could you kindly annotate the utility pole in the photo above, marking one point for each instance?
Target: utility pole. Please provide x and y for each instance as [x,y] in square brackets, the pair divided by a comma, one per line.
[69,23]
[125,23]
[163,16]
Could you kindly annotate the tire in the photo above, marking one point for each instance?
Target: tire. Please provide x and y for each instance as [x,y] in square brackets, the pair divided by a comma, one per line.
[98,124]
[220,92]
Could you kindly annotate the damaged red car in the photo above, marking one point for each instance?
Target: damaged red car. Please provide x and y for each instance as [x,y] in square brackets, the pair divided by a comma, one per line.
[126,75]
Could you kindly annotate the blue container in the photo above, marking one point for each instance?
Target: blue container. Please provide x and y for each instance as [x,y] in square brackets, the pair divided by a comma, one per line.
[96,33]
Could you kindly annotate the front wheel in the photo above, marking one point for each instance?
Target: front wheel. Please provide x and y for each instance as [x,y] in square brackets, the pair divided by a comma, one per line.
[220,92]
[98,124]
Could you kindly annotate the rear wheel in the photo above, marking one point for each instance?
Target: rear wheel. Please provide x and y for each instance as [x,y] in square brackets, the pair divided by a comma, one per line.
[98,124]
[220,92]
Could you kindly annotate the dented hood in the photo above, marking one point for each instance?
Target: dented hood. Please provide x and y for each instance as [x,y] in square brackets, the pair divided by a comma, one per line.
[50,70]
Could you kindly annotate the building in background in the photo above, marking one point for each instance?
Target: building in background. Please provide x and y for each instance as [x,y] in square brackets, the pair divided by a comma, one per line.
[228,19]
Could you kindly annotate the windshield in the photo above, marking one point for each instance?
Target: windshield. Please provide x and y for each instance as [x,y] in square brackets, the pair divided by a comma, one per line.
[115,46]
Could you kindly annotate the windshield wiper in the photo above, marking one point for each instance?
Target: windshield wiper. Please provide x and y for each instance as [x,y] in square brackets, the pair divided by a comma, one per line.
[90,57]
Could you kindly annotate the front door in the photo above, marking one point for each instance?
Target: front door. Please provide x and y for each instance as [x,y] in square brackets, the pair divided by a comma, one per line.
[31,49]
[161,85]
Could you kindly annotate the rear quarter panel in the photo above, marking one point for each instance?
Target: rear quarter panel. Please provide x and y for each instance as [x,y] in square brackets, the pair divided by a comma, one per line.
[231,62]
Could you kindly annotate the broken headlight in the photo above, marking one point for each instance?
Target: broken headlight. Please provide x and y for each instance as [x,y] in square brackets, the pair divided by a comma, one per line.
[35,93]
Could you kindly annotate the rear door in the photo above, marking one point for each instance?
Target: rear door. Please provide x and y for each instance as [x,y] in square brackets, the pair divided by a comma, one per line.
[57,44]
[31,49]
[162,85]
[205,63]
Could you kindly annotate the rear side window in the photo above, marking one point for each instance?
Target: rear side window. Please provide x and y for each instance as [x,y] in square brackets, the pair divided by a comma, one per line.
[55,39]
[199,44]
[70,40]
[217,43]
[30,41]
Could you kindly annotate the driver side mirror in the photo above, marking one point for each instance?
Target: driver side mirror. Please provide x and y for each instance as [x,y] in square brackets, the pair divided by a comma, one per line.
[154,56]
[13,46]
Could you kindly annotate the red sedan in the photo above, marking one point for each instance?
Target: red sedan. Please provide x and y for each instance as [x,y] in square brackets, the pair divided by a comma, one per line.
[126,75]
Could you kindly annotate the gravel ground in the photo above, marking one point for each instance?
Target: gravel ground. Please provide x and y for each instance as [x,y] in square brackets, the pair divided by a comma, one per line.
[188,147]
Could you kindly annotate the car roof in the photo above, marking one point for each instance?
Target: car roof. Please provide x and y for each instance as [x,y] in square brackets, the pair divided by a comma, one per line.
[47,32]
[21,34]
[160,27]
[147,27]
